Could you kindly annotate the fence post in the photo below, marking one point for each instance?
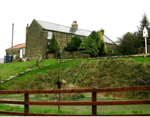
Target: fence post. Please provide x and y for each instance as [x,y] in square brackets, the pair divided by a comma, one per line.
[26,106]
[94,107]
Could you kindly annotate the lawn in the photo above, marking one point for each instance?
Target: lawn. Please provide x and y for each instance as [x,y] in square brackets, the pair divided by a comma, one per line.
[51,65]
[45,65]
[140,59]
[10,69]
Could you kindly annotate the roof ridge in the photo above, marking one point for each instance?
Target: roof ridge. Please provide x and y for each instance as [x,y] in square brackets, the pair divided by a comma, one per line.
[61,25]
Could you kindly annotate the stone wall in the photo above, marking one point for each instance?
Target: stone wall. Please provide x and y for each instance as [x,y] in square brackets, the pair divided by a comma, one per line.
[68,55]
[111,47]
[15,52]
[148,49]
[75,54]
[36,41]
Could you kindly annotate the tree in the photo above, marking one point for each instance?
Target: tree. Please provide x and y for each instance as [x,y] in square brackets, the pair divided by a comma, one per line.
[89,46]
[132,43]
[128,44]
[94,44]
[94,35]
[74,44]
[53,46]
[101,44]
[143,23]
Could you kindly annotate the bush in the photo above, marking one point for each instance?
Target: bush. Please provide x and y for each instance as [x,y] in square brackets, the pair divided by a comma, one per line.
[74,44]
[89,46]
[94,44]
[94,35]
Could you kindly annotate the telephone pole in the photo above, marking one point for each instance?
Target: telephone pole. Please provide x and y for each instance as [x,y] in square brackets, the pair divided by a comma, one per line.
[12,40]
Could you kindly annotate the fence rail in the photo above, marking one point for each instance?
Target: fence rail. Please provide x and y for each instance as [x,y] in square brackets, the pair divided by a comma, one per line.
[93,103]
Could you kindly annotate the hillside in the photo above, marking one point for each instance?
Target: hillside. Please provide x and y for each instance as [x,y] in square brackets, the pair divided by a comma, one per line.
[81,73]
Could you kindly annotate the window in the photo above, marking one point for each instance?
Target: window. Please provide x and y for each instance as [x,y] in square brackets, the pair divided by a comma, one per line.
[23,51]
[49,36]
[14,56]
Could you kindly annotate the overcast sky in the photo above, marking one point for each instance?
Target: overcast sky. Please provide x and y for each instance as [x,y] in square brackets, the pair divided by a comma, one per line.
[116,17]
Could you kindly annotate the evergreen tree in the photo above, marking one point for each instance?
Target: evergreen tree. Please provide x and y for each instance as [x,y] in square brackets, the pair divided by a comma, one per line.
[101,44]
[74,44]
[89,46]
[143,23]
[94,44]
[53,46]
[94,35]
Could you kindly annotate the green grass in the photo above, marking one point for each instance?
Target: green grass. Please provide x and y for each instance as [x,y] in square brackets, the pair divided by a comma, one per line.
[140,59]
[10,69]
[109,109]
[51,65]
[73,109]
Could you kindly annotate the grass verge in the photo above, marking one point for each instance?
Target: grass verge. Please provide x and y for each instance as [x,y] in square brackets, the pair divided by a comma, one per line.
[44,111]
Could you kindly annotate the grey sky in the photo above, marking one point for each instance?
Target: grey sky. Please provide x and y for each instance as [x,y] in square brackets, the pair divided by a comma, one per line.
[116,17]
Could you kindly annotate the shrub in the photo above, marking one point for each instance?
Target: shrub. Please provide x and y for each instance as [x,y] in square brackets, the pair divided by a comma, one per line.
[94,44]
[89,46]
[94,35]
[74,44]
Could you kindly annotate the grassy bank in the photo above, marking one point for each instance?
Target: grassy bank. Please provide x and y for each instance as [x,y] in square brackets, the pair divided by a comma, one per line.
[82,73]
[10,69]
[27,81]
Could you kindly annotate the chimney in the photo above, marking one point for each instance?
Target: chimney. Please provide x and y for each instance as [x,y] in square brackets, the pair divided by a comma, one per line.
[75,25]
[27,25]
[102,30]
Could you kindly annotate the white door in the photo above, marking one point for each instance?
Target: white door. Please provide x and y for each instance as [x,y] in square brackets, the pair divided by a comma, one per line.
[20,53]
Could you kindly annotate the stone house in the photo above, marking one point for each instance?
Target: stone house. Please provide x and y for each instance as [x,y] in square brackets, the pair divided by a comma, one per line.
[18,51]
[39,33]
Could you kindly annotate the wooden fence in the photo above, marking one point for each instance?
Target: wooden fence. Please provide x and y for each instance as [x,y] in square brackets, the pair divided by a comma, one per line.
[93,103]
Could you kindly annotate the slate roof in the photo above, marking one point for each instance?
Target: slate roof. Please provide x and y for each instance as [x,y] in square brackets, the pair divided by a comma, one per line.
[108,40]
[66,29]
[18,46]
